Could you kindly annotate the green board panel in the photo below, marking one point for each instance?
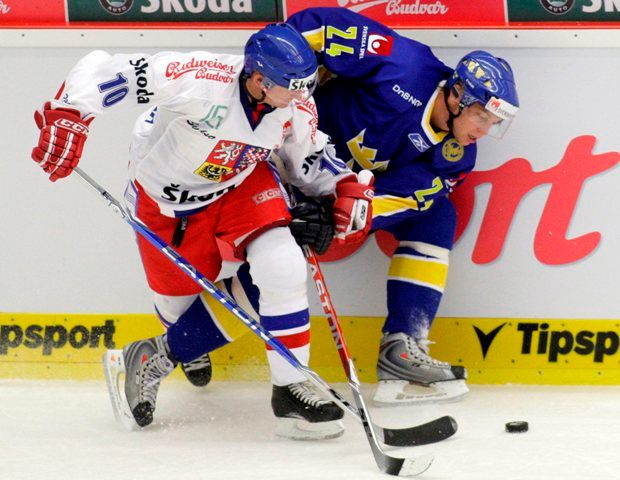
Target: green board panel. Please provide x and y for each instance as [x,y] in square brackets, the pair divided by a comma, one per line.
[564,10]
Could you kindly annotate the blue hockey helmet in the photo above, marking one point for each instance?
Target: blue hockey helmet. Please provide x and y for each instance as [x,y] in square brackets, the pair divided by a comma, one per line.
[283,56]
[489,81]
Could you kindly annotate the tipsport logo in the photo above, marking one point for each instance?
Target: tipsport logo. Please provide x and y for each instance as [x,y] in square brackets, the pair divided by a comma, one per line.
[53,337]
[552,344]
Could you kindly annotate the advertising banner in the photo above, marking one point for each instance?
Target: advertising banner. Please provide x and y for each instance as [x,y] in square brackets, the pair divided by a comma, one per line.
[174,10]
[417,13]
[26,12]
[495,350]
[531,351]
[564,10]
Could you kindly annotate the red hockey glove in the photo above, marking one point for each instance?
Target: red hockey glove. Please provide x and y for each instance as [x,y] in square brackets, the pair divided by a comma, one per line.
[353,207]
[61,141]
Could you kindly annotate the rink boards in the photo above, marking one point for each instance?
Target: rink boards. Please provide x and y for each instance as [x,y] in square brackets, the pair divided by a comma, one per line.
[495,350]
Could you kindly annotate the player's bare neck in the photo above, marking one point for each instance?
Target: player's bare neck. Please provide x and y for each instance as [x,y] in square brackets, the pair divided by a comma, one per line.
[254,90]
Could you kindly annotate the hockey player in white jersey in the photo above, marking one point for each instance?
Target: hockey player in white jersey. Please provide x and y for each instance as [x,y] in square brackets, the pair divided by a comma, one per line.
[199,173]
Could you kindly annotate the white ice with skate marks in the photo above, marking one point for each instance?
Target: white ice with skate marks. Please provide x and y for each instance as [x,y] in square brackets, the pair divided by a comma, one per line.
[390,393]
[66,431]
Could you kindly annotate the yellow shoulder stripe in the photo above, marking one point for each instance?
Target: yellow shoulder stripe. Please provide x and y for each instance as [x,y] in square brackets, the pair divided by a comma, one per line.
[316,38]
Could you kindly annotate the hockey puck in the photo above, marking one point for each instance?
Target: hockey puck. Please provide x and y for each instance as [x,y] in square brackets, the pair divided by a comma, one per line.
[517,427]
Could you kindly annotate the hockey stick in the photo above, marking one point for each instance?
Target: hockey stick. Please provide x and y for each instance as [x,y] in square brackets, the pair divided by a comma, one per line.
[431,432]
[386,463]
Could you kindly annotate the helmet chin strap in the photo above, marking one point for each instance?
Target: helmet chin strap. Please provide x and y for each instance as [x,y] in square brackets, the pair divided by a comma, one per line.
[451,116]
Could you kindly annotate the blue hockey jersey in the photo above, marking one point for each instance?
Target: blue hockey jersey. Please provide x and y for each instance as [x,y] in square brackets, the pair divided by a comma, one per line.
[376,105]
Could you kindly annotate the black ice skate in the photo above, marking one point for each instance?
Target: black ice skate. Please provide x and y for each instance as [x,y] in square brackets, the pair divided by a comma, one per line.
[198,371]
[303,415]
[144,364]
[403,361]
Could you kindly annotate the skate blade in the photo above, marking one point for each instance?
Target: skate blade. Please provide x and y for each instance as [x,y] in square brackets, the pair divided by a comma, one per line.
[297,429]
[114,368]
[392,393]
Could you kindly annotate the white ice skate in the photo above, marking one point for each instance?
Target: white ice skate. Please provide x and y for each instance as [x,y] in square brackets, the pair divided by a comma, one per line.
[408,375]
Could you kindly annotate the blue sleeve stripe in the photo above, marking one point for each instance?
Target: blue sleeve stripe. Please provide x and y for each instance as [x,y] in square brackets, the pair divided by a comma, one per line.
[326,165]
[336,161]
[332,164]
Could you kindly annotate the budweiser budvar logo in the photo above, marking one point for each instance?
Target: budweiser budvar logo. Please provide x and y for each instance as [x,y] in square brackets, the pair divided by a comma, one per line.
[310,108]
[398,7]
[204,69]
[4,8]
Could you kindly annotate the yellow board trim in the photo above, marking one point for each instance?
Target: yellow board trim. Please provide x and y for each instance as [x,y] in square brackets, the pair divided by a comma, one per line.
[525,351]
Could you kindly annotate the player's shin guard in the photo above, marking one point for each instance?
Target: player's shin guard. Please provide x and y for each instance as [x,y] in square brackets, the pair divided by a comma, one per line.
[416,281]
[279,271]
[169,309]
[301,413]
[245,294]
[193,335]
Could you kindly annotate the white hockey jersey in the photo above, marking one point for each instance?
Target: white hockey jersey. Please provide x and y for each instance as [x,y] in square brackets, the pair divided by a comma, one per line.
[196,140]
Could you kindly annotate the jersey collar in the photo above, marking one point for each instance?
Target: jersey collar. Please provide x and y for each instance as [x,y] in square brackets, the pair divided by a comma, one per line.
[434,136]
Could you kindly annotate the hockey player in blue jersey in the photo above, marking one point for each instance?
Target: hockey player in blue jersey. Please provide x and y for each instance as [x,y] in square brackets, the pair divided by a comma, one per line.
[391,106]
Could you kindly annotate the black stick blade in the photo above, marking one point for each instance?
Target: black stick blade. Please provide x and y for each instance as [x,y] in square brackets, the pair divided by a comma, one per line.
[431,432]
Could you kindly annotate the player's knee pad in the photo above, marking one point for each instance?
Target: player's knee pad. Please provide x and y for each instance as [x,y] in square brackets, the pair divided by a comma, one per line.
[169,308]
[279,271]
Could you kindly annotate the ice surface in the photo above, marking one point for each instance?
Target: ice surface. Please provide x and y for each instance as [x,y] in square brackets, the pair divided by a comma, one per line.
[65,430]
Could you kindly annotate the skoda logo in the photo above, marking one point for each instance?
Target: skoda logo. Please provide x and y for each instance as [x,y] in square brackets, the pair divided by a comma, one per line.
[116,7]
[557,7]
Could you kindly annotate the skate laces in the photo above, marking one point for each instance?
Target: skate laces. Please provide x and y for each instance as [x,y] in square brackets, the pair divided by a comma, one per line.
[197,364]
[419,349]
[152,372]
[304,392]
[424,345]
